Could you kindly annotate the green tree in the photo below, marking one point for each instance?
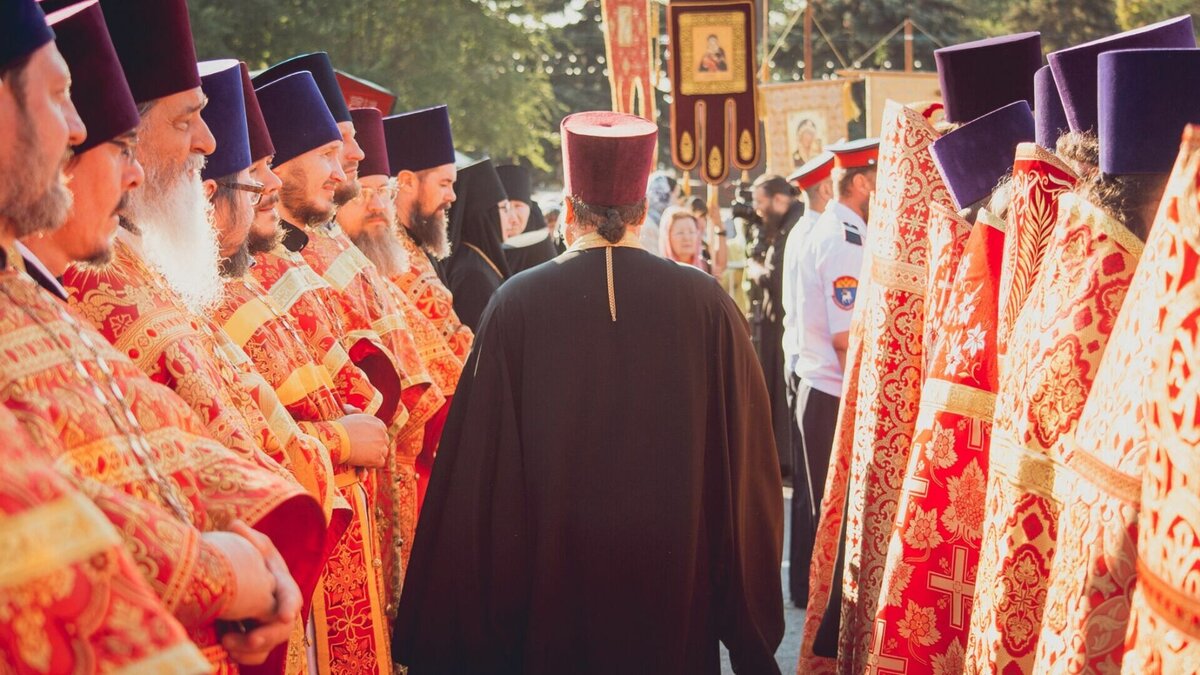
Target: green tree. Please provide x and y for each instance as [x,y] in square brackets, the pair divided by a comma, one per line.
[480,58]
[1063,23]
[1134,13]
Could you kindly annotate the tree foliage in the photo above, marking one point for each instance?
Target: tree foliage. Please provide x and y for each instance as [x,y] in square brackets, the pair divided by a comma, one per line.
[480,58]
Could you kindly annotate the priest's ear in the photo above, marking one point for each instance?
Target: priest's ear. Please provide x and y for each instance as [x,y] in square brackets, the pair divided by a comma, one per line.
[210,189]
[568,212]
[407,180]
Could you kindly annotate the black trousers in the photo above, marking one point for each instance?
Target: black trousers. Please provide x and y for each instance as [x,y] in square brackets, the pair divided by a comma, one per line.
[816,413]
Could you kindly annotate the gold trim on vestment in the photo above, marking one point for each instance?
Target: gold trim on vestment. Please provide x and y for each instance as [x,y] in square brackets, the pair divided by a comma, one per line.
[1028,468]
[899,276]
[958,399]
[49,536]
[1032,152]
[1173,606]
[1105,478]
[342,271]
[181,659]
[1082,210]
[992,220]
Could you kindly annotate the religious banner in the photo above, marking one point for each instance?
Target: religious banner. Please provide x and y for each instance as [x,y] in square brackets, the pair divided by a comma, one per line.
[714,121]
[802,118]
[893,85]
[360,93]
[629,49]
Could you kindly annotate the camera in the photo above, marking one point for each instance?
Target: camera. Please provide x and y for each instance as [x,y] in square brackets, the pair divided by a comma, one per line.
[743,206]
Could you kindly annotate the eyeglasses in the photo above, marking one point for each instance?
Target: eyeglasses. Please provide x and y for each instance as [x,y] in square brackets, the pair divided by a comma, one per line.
[367,194]
[256,190]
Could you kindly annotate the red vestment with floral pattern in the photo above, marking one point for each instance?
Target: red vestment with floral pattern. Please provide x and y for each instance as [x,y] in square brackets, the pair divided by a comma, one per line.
[114,428]
[425,288]
[1052,356]
[925,605]
[72,600]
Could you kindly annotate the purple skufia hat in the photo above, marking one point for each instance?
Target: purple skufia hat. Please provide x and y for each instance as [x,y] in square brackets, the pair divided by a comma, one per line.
[419,140]
[154,40]
[297,116]
[980,76]
[976,156]
[98,87]
[1048,110]
[321,68]
[1140,124]
[23,30]
[225,116]
[1075,67]
[368,129]
[256,126]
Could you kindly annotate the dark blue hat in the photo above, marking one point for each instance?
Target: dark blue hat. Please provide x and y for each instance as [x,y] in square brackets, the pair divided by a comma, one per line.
[1048,109]
[154,40]
[973,158]
[980,76]
[368,130]
[98,87]
[297,116]
[23,30]
[1147,97]
[225,116]
[321,67]
[1075,67]
[419,140]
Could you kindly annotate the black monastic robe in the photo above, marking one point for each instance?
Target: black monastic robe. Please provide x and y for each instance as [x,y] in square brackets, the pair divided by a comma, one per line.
[606,496]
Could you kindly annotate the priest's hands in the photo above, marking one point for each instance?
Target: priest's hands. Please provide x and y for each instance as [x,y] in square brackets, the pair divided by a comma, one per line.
[368,440]
[266,593]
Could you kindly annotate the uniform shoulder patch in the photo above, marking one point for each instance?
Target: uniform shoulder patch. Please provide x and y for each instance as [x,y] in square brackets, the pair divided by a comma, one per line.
[852,234]
[845,290]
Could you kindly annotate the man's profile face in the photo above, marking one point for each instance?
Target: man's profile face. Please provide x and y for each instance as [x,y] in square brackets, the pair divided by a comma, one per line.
[36,110]
[370,210]
[100,180]
[266,216]
[351,154]
[310,181]
[173,135]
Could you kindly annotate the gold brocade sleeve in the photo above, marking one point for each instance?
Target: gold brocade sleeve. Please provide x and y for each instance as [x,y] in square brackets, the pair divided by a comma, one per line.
[333,436]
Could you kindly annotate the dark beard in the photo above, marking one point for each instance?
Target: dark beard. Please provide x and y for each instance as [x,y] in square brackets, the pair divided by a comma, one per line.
[47,210]
[294,199]
[238,264]
[345,192]
[257,244]
[429,232]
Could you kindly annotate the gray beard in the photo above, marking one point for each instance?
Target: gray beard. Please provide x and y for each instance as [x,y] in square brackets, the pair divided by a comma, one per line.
[382,248]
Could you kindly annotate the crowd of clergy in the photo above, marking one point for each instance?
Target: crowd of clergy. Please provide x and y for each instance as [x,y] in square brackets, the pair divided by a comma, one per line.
[251,337]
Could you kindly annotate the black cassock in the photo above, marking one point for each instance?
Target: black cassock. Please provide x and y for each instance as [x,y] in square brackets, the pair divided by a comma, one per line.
[606,497]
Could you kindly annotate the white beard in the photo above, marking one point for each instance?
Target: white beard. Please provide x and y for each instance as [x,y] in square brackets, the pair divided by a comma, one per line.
[178,238]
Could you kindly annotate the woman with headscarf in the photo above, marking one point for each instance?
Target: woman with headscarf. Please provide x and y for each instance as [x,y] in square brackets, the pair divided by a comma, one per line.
[680,238]
[476,266]
[528,243]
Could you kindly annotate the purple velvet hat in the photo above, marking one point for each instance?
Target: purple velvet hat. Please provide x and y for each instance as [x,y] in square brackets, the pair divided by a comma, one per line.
[1048,109]
[23,30]
[321,68]
[225,116]
[297,116]
[256,126]
[368,127]
[973,158]
[98,87]
[1075,67]
[154,40]
[980,76]
[419,140]
[1140,127]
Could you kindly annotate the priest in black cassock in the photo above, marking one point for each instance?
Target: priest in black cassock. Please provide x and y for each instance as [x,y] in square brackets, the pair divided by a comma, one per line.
[606,496]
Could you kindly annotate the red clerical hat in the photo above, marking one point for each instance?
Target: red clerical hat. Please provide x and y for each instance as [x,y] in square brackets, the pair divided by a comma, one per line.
[607,157]
[813,171]
[256,126]
[855,154]
[368,130]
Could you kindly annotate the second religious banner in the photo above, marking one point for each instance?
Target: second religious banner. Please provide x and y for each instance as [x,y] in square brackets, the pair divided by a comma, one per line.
[714,122]
[631,27]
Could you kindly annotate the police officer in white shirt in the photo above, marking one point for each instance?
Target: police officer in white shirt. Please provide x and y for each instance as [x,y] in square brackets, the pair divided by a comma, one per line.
[814,182]
[829,263]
